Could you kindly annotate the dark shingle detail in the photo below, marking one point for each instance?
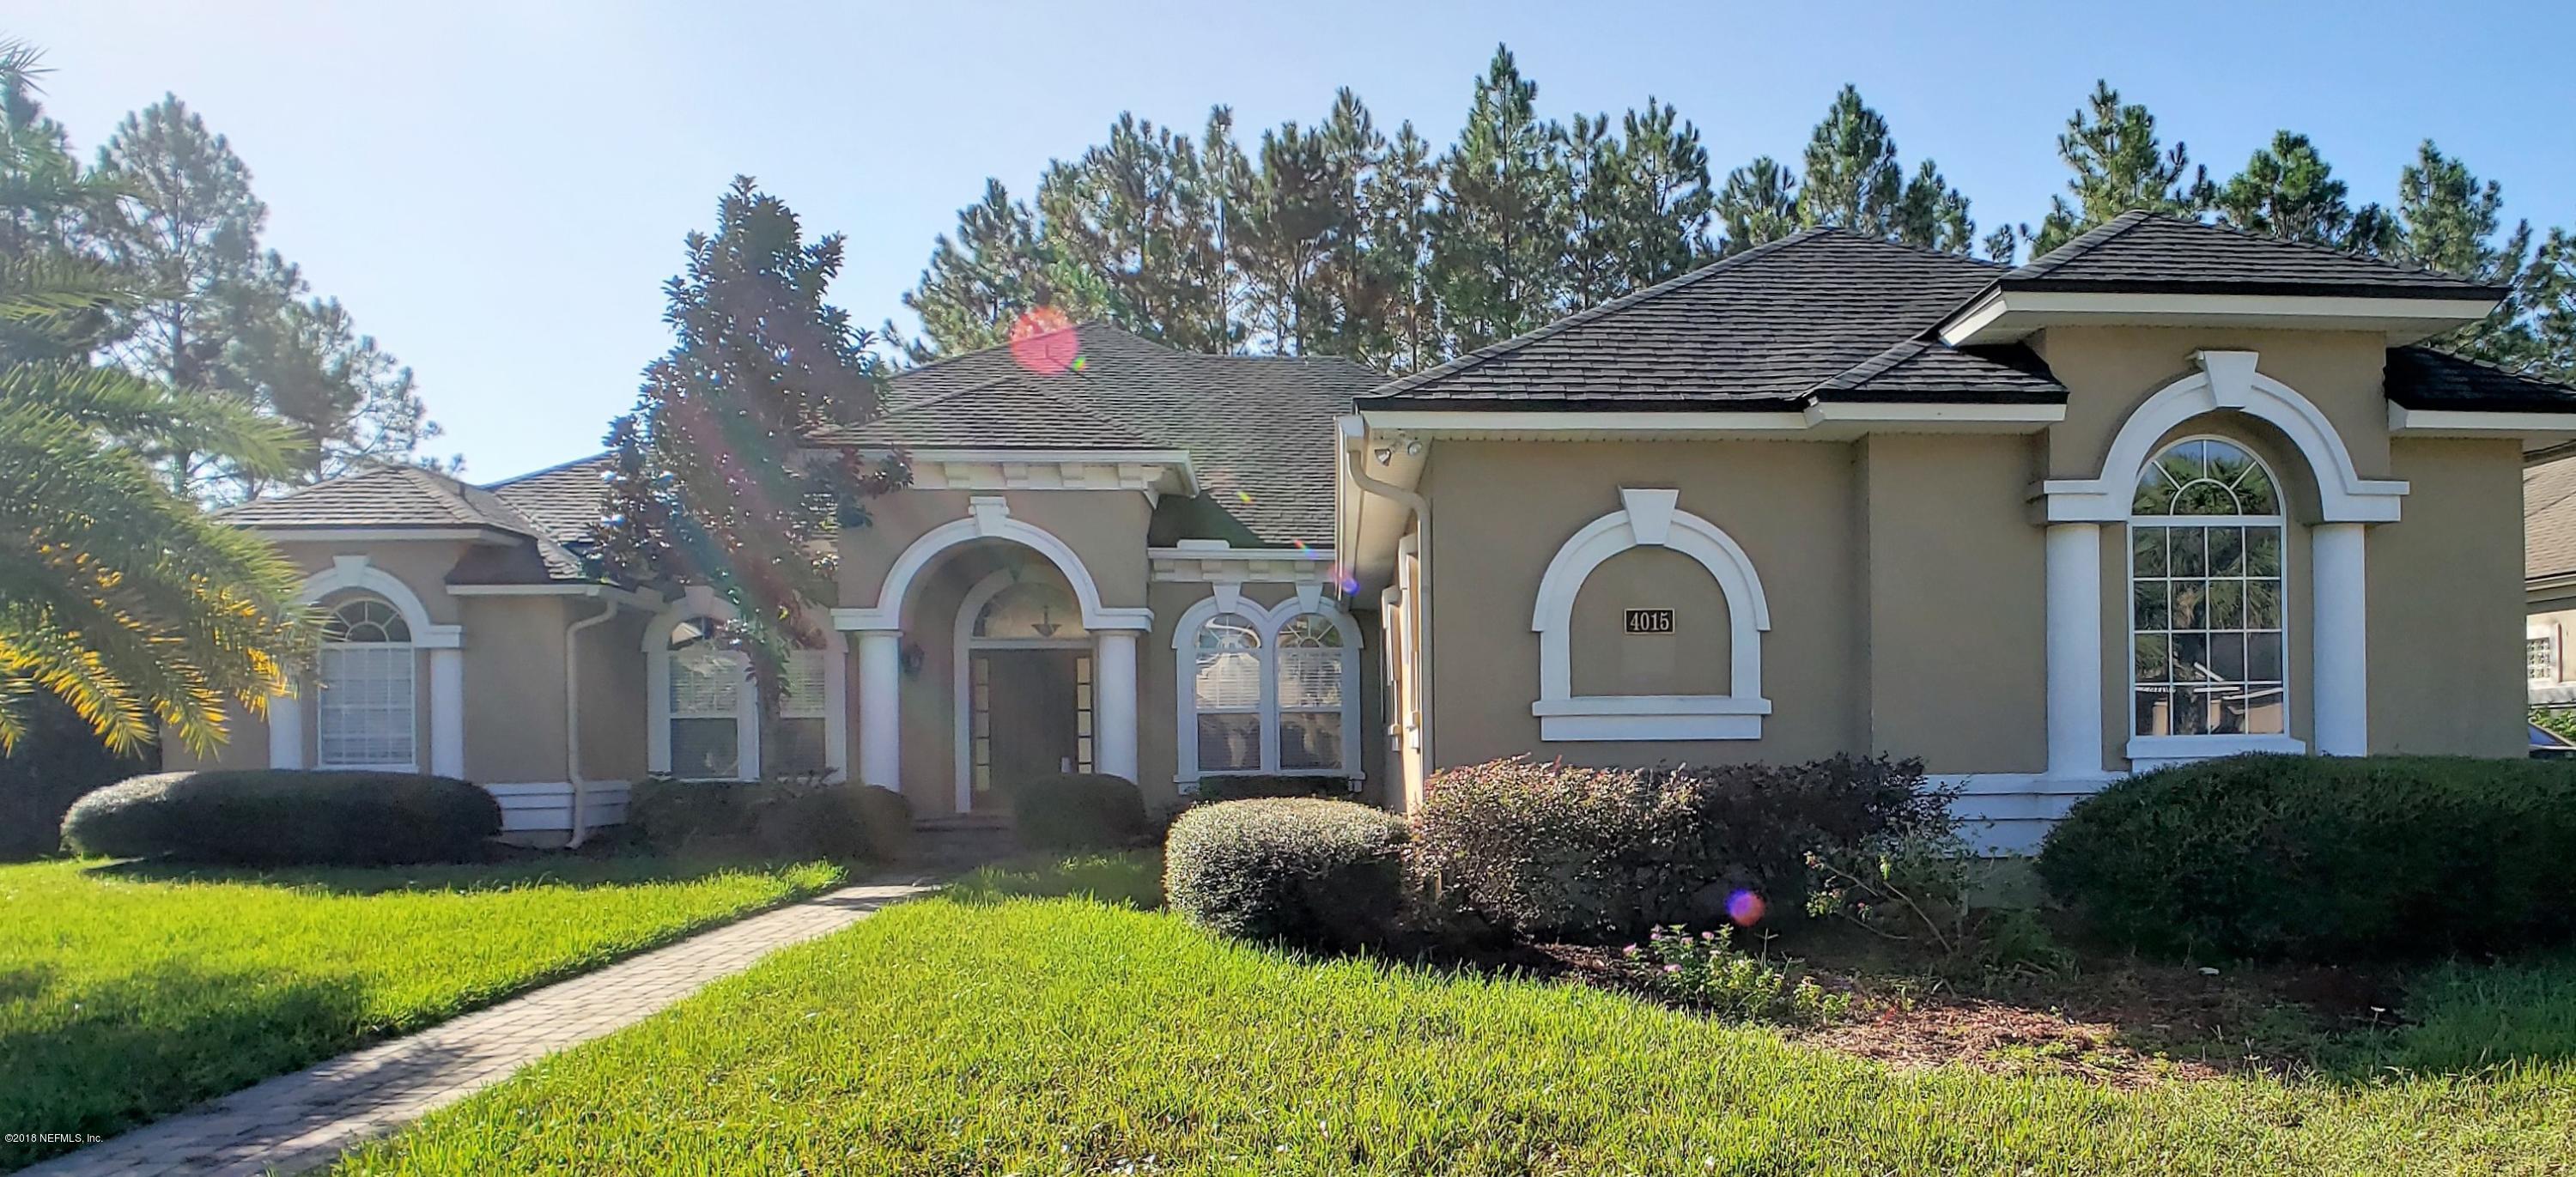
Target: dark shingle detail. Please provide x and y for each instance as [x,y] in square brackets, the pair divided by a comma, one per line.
[1258,429]
[563,501]
[1920,370]
[2423,378]
[2147,253]
[380,496]
[1774,327]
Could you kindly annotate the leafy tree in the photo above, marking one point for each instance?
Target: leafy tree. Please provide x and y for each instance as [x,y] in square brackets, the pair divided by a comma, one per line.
[1758,205]
[2449,220]
[117,595]
[2289,191]
[1498,238]
[710,484]
[2119,165]
[227,319]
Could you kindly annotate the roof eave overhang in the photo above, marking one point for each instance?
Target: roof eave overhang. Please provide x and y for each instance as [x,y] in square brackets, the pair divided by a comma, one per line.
[2537,429]
[2006,313]
[352,533]
[637,598]
[1825,420]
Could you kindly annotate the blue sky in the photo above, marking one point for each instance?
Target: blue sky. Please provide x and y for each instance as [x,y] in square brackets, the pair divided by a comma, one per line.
[497,190]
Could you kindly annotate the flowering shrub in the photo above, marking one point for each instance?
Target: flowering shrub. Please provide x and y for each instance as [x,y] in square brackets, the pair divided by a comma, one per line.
[1556,849]
[1706,970]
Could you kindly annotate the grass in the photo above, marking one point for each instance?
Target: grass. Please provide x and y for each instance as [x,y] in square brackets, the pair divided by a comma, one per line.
[128,992]
[1039,1036]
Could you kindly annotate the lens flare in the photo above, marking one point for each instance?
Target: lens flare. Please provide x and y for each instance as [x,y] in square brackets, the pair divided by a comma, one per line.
[1745,908]
[1043,341]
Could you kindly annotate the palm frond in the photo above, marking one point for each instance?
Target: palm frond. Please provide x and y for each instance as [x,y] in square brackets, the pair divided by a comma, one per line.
[139,411]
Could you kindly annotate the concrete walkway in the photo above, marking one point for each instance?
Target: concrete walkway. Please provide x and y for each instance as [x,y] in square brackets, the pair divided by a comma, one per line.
[300,1121]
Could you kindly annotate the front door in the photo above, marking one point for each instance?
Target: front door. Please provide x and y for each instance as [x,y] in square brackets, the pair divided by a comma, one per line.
[1032,717]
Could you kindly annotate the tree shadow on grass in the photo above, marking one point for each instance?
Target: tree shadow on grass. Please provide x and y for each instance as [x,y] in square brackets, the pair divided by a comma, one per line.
[116,1054]
[556,870]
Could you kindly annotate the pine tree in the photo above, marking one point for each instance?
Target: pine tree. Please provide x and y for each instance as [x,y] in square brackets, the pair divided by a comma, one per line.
[2119,165]
[1934,215]
[1400,196]
[2289,191]
[1758,205]
[1284,223]
[1667,196]
[2449,221]
[980,282]
[1136,224]
[710,484]
[1498,240]
[1852,179]
[2549,299]
[1598,227]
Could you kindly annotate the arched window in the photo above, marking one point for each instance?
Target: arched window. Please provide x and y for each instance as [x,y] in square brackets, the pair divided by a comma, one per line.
[712,725]
[366,716]
[2207,606]
[1268,690]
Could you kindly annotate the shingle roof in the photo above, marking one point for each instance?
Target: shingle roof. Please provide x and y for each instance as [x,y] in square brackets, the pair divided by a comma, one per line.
[1012,411]
[2549,518]
[397,498]
[1823,313]
[2142,252]
[2423,378]
[1259,429]
[563,500]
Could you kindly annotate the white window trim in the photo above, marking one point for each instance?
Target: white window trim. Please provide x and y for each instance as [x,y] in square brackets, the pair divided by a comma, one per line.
[2152,752]
[1650,518]
[1227,597]
[2545,631]
[700,602]
[288,717]
[322,709]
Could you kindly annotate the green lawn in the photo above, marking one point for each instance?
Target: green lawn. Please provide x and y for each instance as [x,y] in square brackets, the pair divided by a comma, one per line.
[128,992]
[1037,1036]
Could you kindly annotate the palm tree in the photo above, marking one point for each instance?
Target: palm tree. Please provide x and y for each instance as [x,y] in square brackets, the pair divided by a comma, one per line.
[117,595]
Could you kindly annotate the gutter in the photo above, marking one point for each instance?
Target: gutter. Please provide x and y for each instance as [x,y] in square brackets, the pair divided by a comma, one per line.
[1421,508]
[572,712]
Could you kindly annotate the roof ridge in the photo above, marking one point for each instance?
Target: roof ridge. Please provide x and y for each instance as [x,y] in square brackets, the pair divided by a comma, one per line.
[557,468]
[1463,362]
[2080,244]
[2474,362]
[1878,364]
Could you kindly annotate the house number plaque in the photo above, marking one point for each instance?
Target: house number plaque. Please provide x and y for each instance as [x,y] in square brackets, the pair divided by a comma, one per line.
[1650,621]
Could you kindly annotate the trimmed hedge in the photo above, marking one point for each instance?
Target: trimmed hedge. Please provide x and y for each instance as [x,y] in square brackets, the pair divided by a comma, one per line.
[1301,870]
[1079,811]
[1551,849]
[1248,786]
[771,819]
[280,817]
[2325,858]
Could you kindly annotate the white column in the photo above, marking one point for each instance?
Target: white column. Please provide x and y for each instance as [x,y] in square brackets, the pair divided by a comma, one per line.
[2074,650]
[880,710]
[1113,702]
[447,712]
[836,710]
[2341,641]
[285,731]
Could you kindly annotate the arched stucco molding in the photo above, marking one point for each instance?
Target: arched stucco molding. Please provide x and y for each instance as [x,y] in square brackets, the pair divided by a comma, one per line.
[348,573]
[1650,518]
[1227,597]
[700,602]
[2226,380]
[989,517]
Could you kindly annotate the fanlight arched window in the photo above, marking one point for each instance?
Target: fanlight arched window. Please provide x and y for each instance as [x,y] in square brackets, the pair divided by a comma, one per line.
[366,716]
[1268,691]
[713,710]
[2208,628]
[1030,611]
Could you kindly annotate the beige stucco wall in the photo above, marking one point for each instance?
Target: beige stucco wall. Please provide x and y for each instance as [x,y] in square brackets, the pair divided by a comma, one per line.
[613,707]
[2109,371]
[2445,600]
[1502,509]
[1106,529]
[514,689]
[1691,660]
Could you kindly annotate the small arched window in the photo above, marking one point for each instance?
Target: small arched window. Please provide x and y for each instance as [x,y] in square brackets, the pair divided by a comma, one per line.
[2208,627]
[1226,693]
[366,716]
[1314,667]
[713,709]
[1270,691]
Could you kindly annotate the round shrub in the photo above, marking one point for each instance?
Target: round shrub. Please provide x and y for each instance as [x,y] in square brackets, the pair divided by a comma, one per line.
[278,817]
[1551,849]
[2324,858]
[772,819]
[1306,871]
[1247,786]
[1079,811]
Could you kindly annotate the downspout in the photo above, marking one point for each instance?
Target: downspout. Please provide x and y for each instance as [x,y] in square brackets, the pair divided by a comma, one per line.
[1421,508]
[572,712]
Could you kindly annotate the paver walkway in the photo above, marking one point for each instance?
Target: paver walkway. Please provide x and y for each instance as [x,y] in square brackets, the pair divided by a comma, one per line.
[299,1121]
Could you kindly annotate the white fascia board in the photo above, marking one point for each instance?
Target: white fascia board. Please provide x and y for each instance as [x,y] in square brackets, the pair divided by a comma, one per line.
[2006,315]
[2547,427]
[637,598]
[1824,421]
[1930,412]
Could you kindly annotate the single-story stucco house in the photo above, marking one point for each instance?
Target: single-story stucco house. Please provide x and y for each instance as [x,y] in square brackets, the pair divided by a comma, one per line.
[2171,491]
